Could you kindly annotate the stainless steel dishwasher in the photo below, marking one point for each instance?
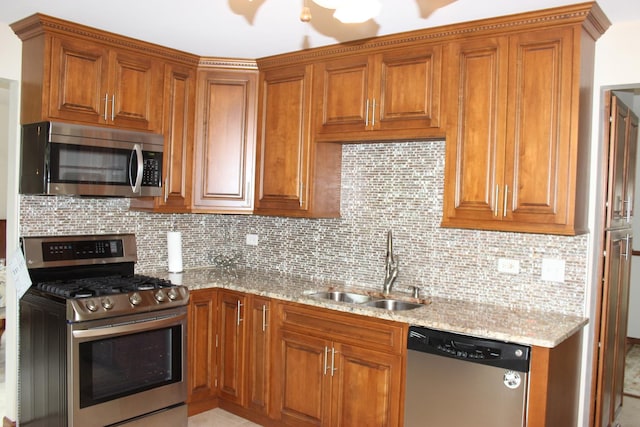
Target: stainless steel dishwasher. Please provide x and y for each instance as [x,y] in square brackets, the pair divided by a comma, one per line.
[462,381]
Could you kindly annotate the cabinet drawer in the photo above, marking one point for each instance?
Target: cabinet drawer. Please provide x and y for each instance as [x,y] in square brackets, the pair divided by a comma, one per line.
[363,331]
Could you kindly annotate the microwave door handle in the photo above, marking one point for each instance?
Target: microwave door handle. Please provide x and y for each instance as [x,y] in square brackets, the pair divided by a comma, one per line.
[137,150]
[46,172]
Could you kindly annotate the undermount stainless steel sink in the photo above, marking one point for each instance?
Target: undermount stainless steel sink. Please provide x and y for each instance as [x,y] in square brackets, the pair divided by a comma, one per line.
[393,304]
[342,296]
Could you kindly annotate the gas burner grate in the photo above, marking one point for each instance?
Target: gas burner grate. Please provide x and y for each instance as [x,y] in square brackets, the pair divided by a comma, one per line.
[98,286]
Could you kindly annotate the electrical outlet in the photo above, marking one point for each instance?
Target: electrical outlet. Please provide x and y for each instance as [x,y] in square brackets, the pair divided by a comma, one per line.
[509,266]
[252,239]
[553,270]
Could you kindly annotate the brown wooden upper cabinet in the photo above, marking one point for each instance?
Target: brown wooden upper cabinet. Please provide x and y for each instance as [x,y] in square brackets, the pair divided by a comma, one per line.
[79,78]
[224,157]
[518,131]
[99,85]
[294,176]
[396,94]
[179,113]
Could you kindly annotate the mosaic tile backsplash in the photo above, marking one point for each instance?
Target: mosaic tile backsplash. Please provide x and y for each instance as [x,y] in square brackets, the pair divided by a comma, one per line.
[390,186]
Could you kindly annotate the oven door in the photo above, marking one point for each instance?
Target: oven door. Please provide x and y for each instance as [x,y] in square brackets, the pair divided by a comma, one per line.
[127,367]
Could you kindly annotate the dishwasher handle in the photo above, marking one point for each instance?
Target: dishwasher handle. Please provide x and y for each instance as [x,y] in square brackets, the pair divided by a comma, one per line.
[471,349]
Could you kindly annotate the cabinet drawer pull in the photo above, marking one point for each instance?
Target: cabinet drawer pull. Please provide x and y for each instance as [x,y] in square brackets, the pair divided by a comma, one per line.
[238,318]
[333,361]
[301,193]
[495,201]
[106,106]
[113,108]
[627,207]
[504,207]
[373,114]
[627,245]
[326,350]
[264,317]
[366,114]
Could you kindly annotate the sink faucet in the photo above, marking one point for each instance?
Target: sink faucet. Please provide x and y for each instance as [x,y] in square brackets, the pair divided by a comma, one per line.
[390,266]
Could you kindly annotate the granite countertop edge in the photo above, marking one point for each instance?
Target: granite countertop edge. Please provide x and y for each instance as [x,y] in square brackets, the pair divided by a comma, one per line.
[527,327]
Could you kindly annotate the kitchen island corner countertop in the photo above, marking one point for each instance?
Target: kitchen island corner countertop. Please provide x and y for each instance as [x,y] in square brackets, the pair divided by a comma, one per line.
[528,327]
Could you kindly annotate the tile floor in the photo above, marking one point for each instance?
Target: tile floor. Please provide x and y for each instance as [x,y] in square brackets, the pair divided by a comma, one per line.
[218,418]
[629,417]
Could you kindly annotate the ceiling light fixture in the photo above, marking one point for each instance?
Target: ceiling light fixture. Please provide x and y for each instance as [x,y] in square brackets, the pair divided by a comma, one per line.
[346,11]
[305,15]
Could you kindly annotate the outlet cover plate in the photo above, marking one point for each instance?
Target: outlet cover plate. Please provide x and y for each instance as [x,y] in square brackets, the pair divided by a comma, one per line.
[553,270]
[509,266]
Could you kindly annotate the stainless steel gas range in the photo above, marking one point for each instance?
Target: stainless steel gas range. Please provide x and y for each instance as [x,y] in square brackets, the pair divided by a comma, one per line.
[99,345]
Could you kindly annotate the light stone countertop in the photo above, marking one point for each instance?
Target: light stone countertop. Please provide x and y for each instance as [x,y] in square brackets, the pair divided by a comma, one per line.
[528,327]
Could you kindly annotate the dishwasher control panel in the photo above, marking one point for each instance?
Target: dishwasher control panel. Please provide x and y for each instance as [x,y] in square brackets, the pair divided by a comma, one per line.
[478,350]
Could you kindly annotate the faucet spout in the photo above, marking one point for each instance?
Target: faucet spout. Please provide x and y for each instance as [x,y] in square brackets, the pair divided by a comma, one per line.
[390,267]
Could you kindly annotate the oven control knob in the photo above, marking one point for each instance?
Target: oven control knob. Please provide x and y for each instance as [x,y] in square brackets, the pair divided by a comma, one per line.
[135,298]
[91,305]
[160,296]
[172,294]
[107,303]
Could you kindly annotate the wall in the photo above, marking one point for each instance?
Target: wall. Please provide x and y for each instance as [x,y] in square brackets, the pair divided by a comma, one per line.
[10,52]
[4,144]
[10,66]
[384,186]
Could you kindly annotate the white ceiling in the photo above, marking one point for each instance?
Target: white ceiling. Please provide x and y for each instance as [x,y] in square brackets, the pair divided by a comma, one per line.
[258,28]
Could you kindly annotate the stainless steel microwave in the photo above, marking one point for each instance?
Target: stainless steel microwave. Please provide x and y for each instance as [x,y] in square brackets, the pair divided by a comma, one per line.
[63,158]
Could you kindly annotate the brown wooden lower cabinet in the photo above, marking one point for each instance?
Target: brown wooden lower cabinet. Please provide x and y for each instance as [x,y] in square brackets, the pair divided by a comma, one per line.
[335,368]
[201,354]
[259,354]
[291,364]
[554,384]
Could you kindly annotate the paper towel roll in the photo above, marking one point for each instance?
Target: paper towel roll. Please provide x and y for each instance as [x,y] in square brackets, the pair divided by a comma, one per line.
[175,278]
[174,251]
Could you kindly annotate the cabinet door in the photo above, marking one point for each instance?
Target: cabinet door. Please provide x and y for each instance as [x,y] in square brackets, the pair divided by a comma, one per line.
[79,81]
[408,96]
[342,94]
[232,326]
[623,141]
[135,91]
[259,354]
[302,391]
[94,84]
[632,158]
[475,142]
[179,113]
[393,92]
[538,173]
[374,377]
[202,350]
[179,105]
[284,141]
[225,141]
[613,327]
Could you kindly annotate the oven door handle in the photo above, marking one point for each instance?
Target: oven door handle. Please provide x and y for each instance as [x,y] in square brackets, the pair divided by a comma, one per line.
[142,326]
